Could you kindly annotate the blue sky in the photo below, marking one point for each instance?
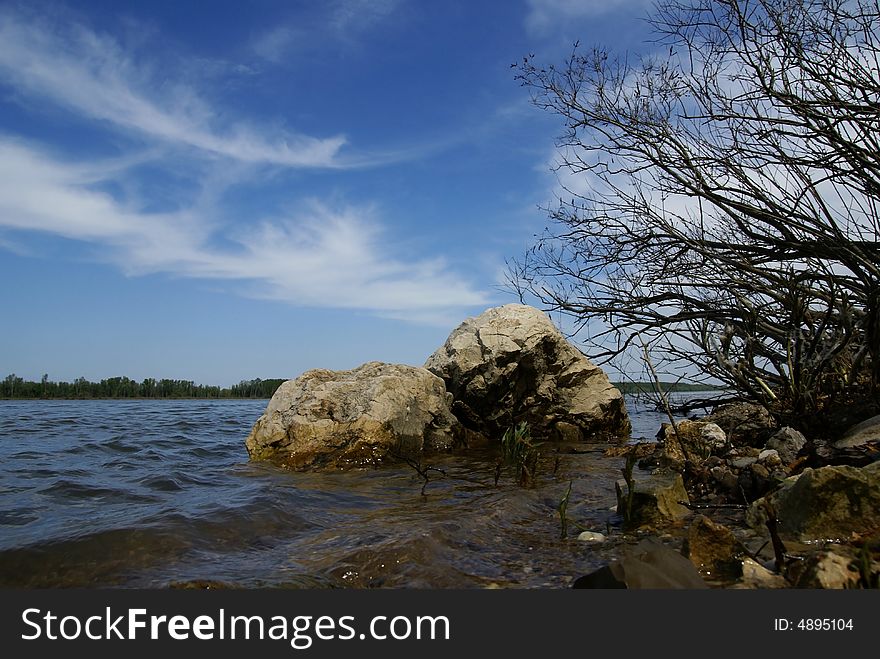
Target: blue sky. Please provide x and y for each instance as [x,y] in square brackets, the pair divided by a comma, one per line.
[223,191]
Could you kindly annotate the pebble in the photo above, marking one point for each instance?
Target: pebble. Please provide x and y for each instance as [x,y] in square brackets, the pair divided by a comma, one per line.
[591,536]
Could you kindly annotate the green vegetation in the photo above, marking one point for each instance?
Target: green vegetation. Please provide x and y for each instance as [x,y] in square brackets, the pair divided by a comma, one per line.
[122,387]
[518,452]
[561,509]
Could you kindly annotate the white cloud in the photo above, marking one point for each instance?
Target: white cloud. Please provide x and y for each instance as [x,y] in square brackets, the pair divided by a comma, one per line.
[333,23]
[92,75]
[544,16]
[318,256]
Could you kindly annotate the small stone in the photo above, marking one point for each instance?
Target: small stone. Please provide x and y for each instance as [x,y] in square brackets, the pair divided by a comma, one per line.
[713,461]
[760,471]
[742,463]
[756,575]
[770,457]
[713,435]
[725,478]
[788,442]
[591,536]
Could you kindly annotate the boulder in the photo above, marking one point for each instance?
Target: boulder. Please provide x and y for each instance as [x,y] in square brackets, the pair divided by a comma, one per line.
[655,499]
[828,503]
[787,442]
[511,364]
[712,547]
[359,417]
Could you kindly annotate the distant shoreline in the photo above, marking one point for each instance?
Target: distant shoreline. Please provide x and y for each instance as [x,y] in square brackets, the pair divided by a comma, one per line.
[264,390]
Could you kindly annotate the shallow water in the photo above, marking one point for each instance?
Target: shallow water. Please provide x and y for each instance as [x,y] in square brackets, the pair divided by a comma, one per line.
[158,493]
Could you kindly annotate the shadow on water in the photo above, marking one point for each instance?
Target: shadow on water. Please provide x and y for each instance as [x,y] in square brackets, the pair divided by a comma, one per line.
[159,493]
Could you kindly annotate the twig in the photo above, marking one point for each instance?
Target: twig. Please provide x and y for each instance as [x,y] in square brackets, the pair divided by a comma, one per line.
[713,506]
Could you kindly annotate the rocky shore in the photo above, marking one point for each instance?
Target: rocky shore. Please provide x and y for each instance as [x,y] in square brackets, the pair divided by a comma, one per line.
[752,506]
[727,500]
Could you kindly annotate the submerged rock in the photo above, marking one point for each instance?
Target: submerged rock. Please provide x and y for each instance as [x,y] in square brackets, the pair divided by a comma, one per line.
[829,503]
[511,364]
[358,417]
[648,565]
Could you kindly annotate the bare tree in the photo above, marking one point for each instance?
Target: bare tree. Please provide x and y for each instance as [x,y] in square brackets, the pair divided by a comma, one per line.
[727,204]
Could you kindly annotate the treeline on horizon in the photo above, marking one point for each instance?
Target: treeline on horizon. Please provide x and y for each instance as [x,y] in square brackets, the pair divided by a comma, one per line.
[667,387]
[122,387]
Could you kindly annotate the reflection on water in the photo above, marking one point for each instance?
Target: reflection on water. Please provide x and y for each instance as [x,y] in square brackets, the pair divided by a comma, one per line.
[153,493]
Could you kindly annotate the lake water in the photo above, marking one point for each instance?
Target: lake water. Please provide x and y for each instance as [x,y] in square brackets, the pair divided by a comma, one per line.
[160,493]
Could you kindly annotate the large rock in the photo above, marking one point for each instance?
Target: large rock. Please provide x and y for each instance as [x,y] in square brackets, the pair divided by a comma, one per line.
[829,503]
[350,418]
[511,364]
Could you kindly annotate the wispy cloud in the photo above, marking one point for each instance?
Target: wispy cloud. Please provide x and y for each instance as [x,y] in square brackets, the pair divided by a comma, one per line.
[545,16]
[335,22]
[317,256]
[92,75]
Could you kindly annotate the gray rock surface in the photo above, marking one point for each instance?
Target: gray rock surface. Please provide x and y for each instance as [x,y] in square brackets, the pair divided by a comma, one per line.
[511,364]
[787,442]
[359,417]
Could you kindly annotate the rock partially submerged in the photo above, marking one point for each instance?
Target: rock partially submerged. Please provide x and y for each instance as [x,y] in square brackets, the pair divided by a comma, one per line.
[648,565]
[653,500]
[359,417]
[511,364]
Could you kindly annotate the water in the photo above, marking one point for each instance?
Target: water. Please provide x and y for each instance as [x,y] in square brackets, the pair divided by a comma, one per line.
[161,493]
